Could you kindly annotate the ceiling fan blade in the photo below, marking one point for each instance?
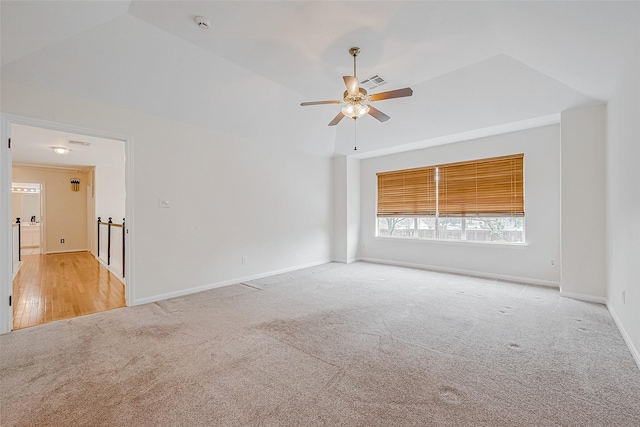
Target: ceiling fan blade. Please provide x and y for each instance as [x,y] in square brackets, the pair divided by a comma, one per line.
[377,114]
[335,101]
[398,93]
[336,119]
[353,87]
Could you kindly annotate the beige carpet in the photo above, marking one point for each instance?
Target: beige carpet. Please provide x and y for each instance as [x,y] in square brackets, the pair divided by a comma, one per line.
[336,345]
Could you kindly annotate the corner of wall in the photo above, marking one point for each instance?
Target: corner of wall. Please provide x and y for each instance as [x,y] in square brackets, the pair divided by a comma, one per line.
[623,204]
[627,339]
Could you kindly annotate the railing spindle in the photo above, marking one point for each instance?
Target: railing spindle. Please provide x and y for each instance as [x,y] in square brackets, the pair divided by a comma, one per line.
[99,221]
[109,242]
[19,240]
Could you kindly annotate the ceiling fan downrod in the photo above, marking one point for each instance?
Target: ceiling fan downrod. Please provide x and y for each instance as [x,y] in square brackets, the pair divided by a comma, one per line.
[354,51]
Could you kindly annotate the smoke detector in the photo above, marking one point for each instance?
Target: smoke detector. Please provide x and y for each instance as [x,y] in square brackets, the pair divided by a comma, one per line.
[203,22]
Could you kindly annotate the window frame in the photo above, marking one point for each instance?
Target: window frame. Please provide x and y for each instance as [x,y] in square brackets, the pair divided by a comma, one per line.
[464,216]
[463,239]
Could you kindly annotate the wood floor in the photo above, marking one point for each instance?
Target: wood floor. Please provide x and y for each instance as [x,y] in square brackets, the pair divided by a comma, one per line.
[60,286]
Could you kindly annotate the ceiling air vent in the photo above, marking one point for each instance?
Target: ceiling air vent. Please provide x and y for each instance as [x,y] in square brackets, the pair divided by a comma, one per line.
[373,82]
[84,144]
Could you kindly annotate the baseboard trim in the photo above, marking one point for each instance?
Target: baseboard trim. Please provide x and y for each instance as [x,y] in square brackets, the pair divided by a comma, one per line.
[115,272]
[634,351]
[584,297]
[473,273]
[67,251]
[348,261]
[161,297]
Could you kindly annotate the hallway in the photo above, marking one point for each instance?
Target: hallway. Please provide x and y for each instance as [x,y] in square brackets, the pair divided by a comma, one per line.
[61,286]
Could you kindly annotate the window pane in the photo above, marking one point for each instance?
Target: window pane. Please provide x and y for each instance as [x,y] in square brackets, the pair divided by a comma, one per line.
[421,228]
[426,228]
[450,228]
[506,230]
[395,227]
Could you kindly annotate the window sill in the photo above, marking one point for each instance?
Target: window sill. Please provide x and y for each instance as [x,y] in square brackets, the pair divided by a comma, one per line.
[455,242]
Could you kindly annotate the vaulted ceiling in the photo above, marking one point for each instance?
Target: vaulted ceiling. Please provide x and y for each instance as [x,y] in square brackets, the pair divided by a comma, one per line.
[473,66]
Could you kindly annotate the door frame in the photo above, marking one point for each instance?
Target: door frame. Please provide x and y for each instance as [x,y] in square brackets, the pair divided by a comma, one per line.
[6,279]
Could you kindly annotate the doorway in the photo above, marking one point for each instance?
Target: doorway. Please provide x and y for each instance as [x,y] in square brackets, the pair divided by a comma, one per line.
[86,174]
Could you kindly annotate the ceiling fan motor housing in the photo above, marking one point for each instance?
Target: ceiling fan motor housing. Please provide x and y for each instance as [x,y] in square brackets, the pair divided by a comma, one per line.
[361,97]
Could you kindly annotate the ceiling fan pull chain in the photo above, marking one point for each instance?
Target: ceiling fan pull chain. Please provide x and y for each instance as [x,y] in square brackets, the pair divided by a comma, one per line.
[355,134]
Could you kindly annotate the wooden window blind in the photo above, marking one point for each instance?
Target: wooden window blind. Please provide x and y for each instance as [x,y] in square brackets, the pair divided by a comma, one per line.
[487,187]
[409,192]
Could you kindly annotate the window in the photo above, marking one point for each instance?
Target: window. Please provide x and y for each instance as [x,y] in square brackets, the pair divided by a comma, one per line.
[481,200]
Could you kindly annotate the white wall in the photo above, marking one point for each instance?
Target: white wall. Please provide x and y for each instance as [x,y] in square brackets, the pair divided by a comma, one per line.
[623,204]
[339,240]
[541,147]
[583,135]
[353,208]
[109,191]
[230,198]
[346,211]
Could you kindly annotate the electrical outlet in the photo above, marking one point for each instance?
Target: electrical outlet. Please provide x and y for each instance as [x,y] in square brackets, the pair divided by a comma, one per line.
[624,297]
[244,260]
[61,240]
[552,263]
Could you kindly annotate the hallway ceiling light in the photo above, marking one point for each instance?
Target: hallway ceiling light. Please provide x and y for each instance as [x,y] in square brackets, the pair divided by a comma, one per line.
[61,151]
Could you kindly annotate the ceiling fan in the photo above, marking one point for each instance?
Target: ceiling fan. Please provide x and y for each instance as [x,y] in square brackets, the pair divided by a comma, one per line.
[355,97]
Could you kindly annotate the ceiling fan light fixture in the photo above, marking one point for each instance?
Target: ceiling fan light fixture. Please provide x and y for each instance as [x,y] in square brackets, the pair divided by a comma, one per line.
[355,111]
